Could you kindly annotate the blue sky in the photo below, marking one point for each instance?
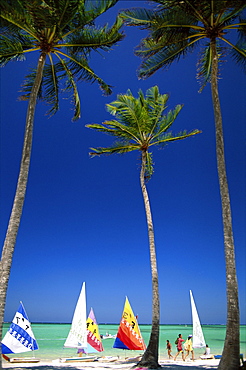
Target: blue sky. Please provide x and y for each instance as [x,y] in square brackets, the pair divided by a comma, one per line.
[84,219]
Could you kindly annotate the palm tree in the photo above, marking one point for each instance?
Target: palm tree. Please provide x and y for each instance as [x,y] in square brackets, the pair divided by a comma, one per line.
[175,28]
[63,33]
[140,124]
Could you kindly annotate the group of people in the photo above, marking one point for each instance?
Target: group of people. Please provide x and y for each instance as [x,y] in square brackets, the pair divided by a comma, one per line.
[179,343]
[187,348]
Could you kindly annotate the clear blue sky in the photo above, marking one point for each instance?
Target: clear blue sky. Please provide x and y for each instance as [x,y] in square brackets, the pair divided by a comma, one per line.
[84,219]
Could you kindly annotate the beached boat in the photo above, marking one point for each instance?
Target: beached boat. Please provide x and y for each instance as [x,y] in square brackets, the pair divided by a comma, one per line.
[109,336]
[129,336]
[79,359]
[108,358]
[197,335]
[19,338]
[84,333]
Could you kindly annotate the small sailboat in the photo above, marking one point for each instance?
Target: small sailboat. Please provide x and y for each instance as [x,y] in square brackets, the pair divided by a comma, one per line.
[198,337]
[19,338]
[84,334]
[109,336]
[129,336]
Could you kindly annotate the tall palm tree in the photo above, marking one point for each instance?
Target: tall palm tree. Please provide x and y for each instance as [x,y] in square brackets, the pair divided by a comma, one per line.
[175,28]
[140,124]
[63,33]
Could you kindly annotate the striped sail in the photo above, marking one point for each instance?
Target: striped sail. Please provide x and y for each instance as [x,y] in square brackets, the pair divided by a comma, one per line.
[77,337]
[129,336]
[19,338]
[93,335]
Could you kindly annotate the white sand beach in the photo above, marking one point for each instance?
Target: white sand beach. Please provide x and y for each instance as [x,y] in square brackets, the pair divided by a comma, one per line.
[119,365]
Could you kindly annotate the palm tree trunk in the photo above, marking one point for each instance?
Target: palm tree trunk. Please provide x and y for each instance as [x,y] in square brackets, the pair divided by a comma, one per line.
[150,356]
[15,217]
[230,357]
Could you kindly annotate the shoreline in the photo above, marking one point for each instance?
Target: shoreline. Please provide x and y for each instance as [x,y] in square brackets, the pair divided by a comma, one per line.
[120,364]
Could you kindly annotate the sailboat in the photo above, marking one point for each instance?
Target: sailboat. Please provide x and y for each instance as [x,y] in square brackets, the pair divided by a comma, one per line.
[129,336]
[198,337]
[19,338]
[84,334]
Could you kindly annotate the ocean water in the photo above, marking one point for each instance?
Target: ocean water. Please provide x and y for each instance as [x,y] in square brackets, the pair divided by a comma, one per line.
[51,338]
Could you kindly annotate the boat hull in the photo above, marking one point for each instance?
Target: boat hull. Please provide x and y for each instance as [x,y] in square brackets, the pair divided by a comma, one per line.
[21,359]
[132,359]
[79,359]
[108,358]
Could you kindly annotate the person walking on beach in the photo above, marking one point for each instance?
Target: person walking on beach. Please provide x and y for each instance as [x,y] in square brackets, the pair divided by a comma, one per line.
[179,342]
[169,349]
[188,347]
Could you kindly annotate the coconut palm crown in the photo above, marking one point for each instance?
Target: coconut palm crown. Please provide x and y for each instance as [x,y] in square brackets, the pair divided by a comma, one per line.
[139,125]
[177,27]
[65,34]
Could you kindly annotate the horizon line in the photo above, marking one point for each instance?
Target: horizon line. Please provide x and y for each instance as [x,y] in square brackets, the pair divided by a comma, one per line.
[103,323]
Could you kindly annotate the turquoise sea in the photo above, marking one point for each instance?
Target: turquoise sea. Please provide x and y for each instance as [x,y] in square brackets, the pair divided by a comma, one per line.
[51,337]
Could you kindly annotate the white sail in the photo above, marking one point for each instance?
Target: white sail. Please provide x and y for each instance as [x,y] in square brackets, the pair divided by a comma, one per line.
[198,338]
[19,338]
[77,337]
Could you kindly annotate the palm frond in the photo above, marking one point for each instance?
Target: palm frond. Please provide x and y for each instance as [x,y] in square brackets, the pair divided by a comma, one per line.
[117,129]
[166,122]
[15,17]
[65,13]
[154,98]
[155,105]
[127,110]
[137,17]
[85,14]
[92,38]
[10,49]
[82,72]
[162,58]
[26,87]
[49,91]
[71,83]
[117,148]
[98,7]
[42,16]
[241,30]
[230,11]
[173,27]
[149,166]
[50,86]
[169,137]
[238,53]
[204,68]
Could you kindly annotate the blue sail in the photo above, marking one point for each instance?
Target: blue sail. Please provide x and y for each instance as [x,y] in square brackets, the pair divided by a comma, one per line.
[19,338]
[119,344]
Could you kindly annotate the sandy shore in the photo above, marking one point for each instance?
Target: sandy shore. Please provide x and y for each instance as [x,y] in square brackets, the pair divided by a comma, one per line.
[119,365]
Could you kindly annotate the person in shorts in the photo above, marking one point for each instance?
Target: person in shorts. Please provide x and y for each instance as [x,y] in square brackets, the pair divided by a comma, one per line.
[179,341]
[188,347]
